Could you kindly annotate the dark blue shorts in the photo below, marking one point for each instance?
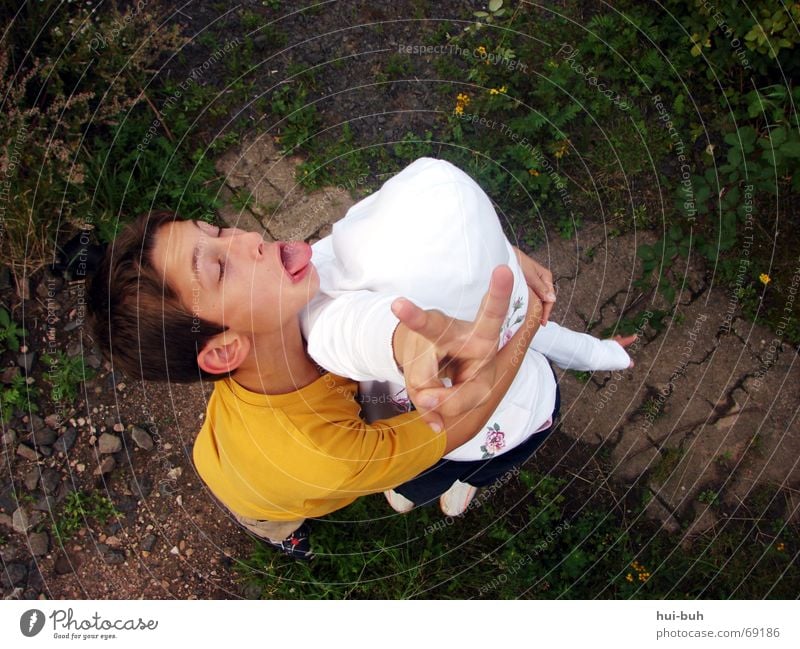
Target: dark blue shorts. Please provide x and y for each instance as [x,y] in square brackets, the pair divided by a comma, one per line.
[433,482]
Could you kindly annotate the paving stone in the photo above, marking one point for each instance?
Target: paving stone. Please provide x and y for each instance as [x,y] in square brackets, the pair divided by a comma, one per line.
[39,543]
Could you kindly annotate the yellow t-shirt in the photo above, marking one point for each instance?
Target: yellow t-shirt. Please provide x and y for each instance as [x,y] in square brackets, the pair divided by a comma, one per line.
[306,453]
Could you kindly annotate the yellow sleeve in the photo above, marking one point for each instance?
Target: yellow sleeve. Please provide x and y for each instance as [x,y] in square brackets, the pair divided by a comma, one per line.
[384,454]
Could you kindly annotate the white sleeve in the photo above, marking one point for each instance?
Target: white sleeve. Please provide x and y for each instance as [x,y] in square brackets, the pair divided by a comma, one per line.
[351,335]
[571,350]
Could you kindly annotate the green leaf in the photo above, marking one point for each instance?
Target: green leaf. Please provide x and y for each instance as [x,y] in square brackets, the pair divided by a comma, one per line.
[4,318]
[777,136]
[791,149]
[645,252]
[494,5]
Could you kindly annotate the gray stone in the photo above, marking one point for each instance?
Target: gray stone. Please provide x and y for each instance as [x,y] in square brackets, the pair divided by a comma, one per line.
[43,436]
[74,350]
[20,520]
[148,542]
[46,504]
[93,360]
[50,480]
[142,438]
[9,437]
[31,479]
[140,486]
[27,452]
[39,543]
[109,443]
[114,557]
[26,360]
[107,465]
[73,324]
[47,451]
[9,373]
[5,520]
[52,421]
[67,440]
[13,575]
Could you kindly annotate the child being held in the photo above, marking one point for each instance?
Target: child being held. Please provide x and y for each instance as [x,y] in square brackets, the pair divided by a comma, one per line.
[432,220]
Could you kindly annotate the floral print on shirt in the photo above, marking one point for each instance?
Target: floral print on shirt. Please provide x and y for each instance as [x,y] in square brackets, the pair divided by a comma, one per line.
[511,321]
[495,441]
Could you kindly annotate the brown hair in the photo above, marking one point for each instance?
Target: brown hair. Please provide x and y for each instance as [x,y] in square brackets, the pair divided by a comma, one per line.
[137,318]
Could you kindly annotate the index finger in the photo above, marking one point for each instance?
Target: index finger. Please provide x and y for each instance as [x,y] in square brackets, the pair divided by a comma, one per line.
[494,306]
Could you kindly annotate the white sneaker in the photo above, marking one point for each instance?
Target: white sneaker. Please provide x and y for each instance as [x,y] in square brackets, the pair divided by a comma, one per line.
[457,498]
[398,502]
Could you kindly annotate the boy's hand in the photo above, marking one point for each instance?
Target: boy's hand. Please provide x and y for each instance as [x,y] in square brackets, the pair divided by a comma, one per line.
[540,280]
[626,341]
[430,344]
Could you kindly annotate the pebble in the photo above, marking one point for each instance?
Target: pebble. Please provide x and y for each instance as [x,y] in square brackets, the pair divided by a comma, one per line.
[39,543]
[175,550]
[73,324]
[119,427]
[148,542]
[109,443]
[174,474]
[80,467]
[46,504]
[65,564]
[44,436]
[25,361]
[9,373]
[5,520]
[93,360]
[106,465]
[53,421]
[31,479]
[27,452]
[13,574]
[50,480]
[142,438]
[121,386]
[9,437]
[64,443]
[114,557]
[20,521]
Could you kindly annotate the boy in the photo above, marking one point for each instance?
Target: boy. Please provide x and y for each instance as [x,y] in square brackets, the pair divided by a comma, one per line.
[186,300]
[431,234]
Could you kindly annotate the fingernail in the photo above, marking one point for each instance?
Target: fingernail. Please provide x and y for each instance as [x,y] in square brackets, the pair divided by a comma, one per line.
[551,297]
[436,428]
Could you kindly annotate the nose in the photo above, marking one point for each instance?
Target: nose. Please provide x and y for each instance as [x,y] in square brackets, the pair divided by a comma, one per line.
[251,244]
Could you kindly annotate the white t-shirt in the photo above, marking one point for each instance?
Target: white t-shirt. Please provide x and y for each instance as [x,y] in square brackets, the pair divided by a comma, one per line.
[431,234]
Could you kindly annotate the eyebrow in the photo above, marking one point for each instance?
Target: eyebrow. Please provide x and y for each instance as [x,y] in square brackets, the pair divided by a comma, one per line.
[195,255]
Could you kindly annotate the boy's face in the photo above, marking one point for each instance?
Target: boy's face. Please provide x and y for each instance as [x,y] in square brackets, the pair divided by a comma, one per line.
[234,278]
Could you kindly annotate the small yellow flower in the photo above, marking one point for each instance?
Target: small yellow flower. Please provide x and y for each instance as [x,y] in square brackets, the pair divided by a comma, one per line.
[462,98]
[629,577]
[481,50]
[459,110]
[561,151]
[780,547]
[497,91]
[765,279]
[533,172]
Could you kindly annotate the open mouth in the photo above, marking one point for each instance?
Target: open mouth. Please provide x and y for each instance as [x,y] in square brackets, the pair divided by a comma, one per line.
[296,258]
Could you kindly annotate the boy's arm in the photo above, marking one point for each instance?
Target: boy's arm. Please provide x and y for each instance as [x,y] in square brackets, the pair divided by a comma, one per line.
[481,375]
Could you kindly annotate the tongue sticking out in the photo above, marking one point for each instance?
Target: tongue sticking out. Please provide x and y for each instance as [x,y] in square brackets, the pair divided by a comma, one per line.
[295,256]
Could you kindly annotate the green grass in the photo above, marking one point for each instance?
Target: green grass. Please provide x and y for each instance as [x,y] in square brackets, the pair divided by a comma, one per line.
[78,510]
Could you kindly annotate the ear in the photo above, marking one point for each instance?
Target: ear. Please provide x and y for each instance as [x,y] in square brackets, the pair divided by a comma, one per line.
[224,353]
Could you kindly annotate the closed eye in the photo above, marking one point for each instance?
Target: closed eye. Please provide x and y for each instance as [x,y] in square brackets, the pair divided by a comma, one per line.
[221,261]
